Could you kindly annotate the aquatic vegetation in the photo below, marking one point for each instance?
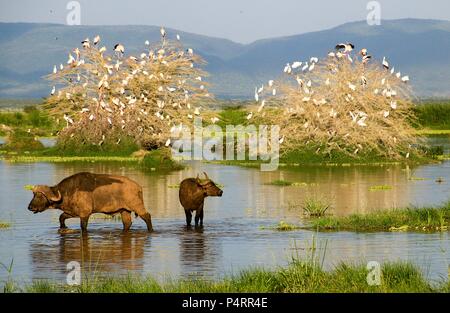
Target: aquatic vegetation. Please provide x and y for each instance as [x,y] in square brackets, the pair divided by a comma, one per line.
[315,207]
[280,182]
[380,187]
[282,226]
[341,105]
[298,276]
[4,224]
[409,219]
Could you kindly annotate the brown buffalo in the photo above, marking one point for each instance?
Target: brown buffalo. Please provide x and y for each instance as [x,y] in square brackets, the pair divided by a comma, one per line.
[83,194]
[193,192]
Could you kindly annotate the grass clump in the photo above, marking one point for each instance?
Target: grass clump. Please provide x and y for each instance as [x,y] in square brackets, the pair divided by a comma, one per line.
[298,277]
[315,207]
[410,219]
[282,226]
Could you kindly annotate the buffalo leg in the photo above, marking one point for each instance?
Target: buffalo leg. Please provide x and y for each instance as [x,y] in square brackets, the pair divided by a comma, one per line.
[62,219]
[188,217]
[201,218]
[148,220]
[199,215]
[84,223]
[126,220]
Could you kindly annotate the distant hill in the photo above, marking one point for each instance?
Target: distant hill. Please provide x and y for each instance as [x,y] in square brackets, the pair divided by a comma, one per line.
[419,48]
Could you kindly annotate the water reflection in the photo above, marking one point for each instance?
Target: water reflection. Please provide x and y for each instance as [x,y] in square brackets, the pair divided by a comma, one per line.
[98,251]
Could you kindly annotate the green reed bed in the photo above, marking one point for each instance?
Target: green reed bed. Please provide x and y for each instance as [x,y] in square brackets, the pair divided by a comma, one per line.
[409,219]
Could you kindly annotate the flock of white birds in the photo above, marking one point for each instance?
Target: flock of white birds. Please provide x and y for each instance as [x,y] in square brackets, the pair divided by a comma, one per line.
[108,85]
[342,52]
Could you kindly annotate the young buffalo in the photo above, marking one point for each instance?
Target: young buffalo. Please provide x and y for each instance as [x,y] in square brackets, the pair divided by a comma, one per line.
[193,192]
[83,194]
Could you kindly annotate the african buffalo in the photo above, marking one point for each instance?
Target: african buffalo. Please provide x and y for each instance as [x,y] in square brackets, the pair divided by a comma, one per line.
[193,192]
[83,194]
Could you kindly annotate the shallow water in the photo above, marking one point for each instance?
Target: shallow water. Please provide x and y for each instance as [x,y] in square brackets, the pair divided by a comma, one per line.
[232,238]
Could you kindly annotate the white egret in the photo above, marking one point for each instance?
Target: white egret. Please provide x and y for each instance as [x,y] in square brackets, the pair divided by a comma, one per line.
[86,43]
[147,43]
[178,37]
[53,90]
[54,69]
[249,116]
[119,48]
[296,64]
[305,67]
[314,60]
[270,83]
[405,79]
[261,106]
[362,121]
[385,63]
[71,59]
[96,40]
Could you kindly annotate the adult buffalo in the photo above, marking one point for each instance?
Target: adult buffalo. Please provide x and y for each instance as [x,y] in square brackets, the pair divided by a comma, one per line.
[83,194]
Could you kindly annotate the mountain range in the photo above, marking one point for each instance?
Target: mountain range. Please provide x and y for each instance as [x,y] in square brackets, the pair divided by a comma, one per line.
[418,48]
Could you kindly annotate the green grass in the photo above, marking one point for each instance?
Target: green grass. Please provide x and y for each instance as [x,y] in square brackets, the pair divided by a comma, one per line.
[433,115]
[233,115]
[410,219]
[315,207]
[298,277]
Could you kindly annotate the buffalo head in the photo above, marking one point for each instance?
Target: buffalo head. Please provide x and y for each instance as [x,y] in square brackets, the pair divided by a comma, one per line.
[209,187]
[43,198]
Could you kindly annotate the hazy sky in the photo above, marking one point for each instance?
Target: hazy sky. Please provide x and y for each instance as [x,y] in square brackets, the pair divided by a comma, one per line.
[238,20]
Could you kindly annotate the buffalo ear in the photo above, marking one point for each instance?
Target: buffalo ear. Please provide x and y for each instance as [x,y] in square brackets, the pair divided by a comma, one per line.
[55,198]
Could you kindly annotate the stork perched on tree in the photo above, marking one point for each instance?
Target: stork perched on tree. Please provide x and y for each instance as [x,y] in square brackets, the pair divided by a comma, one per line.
[345,47]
